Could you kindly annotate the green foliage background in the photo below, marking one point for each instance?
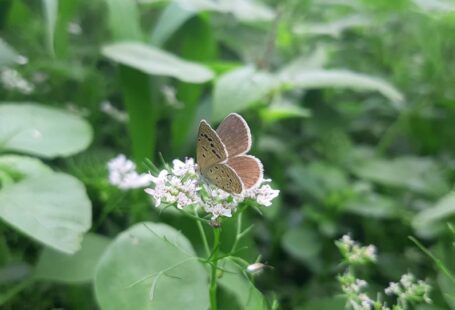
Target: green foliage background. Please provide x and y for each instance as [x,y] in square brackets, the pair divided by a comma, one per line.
[352,109]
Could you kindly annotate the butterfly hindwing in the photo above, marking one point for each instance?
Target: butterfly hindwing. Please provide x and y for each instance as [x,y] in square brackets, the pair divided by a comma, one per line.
[210,150]
[224,177]
[248,168]
[235,134]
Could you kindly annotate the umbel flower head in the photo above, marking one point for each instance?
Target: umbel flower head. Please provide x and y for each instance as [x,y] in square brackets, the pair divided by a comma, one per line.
[180,185]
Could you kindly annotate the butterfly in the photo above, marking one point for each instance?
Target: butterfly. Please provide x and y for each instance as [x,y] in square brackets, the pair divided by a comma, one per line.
[221,155]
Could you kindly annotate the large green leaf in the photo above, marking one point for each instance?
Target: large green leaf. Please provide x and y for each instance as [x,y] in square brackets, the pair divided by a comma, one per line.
[42,131]
[154,61]
[436,215]
[50,9]
[8,56]
[172,278]
[321,78]
[124,21]
[239,89]
[417,174]
[23,166]
[52,208]
[76,268]
[235,281]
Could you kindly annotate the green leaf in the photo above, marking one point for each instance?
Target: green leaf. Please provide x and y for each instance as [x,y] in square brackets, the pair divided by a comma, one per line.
[436,215]
[124,21]
[50,8]
[151,266]
[320,78]
[77,268]
[52,208]
[278,112]
[235,281]
[154,61]
[420,175]
[23,165]
[304,244]
[42,131]
[373,205]
[239,89]
[171,19]
[334,303]
[8,56]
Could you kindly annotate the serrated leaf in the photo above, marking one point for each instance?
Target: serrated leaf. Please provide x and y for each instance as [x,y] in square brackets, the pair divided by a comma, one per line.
[42,131]
[152,60]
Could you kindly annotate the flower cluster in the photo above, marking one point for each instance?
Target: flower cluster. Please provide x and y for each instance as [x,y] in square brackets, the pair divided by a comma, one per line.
[409,290]
[12,80]
[354,253]
[123,174]
[181,185]
[353,289]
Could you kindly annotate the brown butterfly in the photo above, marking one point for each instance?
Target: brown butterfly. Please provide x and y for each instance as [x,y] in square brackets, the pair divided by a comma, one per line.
[221,155]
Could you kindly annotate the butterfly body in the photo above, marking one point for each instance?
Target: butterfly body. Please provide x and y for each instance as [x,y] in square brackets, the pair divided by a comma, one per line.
[221,155]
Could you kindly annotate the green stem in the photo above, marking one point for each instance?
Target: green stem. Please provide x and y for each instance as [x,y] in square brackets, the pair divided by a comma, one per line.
[202,232]
[5,296]
[214,265]
[239,232]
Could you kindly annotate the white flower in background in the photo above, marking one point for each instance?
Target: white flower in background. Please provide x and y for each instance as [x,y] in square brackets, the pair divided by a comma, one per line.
[409,290]
[181,185]
[123,174]
[354,253]
[12,80]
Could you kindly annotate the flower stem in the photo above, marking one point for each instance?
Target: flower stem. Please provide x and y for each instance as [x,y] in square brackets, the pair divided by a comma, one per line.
[202,232]
[214,264]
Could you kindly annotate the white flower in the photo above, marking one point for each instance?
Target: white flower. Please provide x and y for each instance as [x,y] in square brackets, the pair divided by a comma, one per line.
[182,186]
[354,253]
[409,289]
[12,80]
[123,174]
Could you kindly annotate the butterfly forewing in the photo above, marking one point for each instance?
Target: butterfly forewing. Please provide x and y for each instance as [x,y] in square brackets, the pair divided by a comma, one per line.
[210,150]
[248,168]
[224,177]
[235,135]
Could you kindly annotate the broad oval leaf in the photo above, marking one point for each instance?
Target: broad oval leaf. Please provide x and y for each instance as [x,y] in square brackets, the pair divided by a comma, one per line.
[238,89]
[23,165]
[320,78]
[155,61]
[52,208]
[76,268]
[151,266]
[42,131]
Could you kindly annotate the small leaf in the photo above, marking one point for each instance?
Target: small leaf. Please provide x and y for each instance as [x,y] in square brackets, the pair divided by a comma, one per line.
[239,89]
[155,61]
[235,281]
[320,78]
[283,111]
[151,266]
[373,205]
[76,268]
[52,208]
[42,131]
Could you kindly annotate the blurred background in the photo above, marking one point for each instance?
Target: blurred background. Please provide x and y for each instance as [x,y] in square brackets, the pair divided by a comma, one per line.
[351,105]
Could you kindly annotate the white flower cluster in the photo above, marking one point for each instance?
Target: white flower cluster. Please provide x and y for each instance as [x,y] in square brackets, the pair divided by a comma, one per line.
[123,174]
[12,80]
[409,289]
[353,289]
[180,185]
[354,253]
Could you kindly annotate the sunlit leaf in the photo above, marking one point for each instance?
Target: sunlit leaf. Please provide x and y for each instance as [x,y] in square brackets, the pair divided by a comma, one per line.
[239,89]
[77,268]
[52,208]
[334,28]
[42,131]
[172,18]
[151,266]
[283,111]
[154,61]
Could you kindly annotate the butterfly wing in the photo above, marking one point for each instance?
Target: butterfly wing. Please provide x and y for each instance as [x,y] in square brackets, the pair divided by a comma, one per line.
[224,177]
[248,168]
[235,135]
[210,150]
